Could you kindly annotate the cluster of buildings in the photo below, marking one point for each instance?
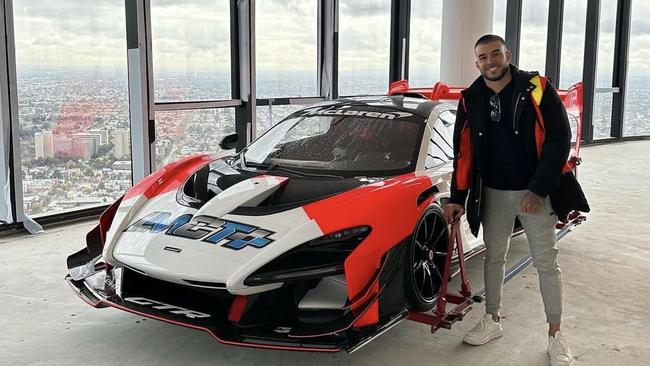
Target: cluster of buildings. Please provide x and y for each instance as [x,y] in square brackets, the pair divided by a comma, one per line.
[80,145]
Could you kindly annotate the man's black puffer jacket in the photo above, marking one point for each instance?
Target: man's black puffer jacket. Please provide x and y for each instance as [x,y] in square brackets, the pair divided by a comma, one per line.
[466,184]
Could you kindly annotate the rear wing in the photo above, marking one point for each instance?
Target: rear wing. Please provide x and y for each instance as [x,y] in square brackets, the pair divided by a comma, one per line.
[571,98]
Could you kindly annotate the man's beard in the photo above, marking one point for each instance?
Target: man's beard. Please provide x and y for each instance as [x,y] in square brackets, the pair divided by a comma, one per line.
[504,70]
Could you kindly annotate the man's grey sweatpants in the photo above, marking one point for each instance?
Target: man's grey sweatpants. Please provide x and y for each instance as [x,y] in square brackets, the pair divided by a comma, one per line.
[499,211]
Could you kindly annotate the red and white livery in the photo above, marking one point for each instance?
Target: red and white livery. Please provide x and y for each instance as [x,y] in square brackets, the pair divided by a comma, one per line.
[320,235]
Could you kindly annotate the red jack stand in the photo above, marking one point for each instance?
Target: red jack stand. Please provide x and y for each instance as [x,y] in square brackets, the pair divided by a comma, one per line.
[440,317]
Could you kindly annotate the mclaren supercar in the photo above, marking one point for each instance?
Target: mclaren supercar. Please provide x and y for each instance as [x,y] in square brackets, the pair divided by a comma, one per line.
[319,235]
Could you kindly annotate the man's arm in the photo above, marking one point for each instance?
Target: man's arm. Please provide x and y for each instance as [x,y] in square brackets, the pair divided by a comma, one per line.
[557,144]
[458,194]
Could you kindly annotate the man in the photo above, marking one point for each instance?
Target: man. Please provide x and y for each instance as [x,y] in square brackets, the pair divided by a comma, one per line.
[511,141]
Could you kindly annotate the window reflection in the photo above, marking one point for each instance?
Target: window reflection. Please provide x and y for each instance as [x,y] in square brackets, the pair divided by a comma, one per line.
[72,103]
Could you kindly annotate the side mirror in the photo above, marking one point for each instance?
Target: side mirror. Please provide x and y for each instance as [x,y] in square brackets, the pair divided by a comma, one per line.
[229,142]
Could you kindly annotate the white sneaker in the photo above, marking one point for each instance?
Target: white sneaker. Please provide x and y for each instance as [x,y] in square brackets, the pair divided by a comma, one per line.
[484,331]
[558,351]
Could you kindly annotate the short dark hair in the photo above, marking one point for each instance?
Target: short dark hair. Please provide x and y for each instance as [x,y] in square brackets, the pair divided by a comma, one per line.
[488,38]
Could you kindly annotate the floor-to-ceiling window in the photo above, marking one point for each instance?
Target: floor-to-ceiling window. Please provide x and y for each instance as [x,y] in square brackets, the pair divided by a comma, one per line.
[425,42]
[534,26]
[499,18]
[191,50]
[602,117]
[72,103]
[364,46]
[637,97]
[286,49]
[573,42]
[191,63]
[573,47]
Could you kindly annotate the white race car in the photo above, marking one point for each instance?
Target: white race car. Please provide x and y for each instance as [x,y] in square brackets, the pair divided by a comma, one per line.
[320,235]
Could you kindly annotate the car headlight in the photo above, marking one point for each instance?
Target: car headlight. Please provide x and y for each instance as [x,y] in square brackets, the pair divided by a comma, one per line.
[317,258]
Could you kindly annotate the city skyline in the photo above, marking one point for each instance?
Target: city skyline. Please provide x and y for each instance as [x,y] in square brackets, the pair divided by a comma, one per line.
[73,85]
[100,172]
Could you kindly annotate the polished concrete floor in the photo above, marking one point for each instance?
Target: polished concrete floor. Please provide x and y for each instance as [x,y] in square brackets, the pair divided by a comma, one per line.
[605,262]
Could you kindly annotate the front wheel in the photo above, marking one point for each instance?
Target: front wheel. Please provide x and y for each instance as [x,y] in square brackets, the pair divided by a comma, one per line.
[425,260]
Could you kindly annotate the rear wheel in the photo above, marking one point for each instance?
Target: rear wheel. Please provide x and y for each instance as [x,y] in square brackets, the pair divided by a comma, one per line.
[425,259]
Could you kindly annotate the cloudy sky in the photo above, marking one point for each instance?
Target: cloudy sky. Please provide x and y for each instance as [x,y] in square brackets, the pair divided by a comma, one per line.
[194,35]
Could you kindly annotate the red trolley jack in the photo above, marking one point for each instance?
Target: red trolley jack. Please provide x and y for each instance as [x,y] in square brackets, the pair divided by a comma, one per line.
[441,318]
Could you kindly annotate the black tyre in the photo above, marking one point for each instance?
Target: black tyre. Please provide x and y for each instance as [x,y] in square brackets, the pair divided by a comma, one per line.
[425,259]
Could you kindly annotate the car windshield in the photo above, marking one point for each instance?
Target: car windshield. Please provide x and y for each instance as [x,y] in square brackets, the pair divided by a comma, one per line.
[348,140]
